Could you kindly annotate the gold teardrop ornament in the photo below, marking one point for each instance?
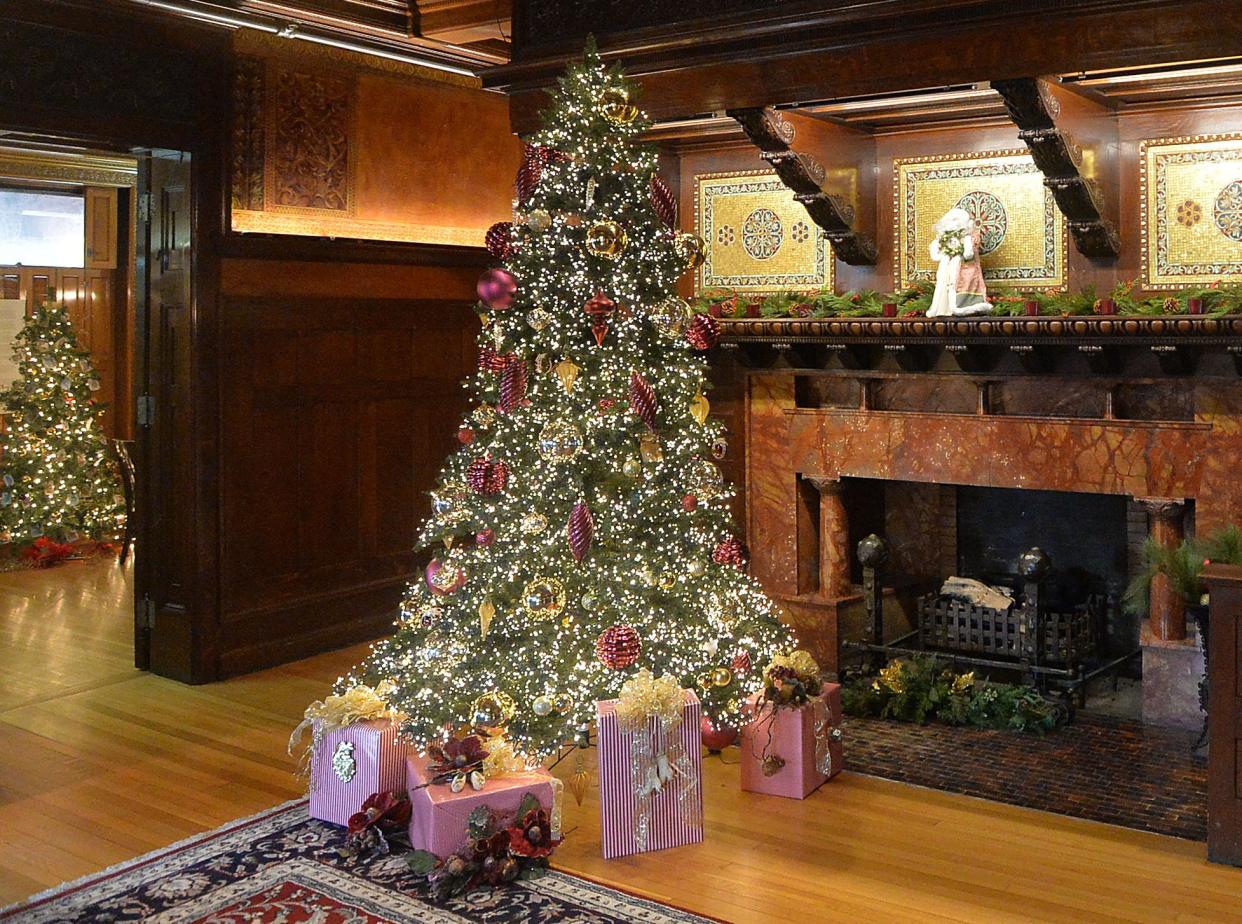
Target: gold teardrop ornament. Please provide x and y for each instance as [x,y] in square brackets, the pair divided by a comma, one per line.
[487,612]
[700,408]
[566,372]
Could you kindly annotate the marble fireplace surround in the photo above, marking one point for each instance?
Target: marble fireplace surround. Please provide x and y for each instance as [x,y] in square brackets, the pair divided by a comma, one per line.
[800,542]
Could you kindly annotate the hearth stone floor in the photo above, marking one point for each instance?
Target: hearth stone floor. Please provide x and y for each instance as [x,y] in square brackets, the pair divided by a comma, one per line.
[1100,767]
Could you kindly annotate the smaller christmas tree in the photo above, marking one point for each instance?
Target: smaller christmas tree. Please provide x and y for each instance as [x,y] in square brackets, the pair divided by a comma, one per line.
[56,477]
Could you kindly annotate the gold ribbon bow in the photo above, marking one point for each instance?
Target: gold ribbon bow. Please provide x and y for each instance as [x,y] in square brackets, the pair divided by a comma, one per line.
[322,717]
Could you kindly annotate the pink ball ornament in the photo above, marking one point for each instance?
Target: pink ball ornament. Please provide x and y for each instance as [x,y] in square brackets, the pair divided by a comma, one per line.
[497,289]
[716,739]
[442,578]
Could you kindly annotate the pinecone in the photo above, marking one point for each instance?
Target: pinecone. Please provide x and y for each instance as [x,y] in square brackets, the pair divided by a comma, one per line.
[731,551]
[704,332]
[618,647]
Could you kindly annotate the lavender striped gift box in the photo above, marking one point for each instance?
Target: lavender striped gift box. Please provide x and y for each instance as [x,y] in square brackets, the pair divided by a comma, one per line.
[674,819]
[352,763]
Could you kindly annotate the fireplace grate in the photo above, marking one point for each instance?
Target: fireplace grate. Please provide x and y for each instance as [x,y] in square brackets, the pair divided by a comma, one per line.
[1047,637]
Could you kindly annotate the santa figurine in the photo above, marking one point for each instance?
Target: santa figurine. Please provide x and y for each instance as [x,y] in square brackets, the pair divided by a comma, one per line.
[960,289]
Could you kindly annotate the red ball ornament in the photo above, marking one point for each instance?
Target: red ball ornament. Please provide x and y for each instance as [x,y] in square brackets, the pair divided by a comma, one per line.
[716,739]
[443,579]
[465,436]
[486,477]
[741,663]
[643,400]
[730,551]
[580,530]
[689,503]
[607,404]
[663,201]
[704,332]
[497,289]
[599,307]
[618,647]
[484,537]
[499,240]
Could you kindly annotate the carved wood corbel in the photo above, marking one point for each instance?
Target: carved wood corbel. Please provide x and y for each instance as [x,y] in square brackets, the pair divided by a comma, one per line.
[1035,109]
[806,175]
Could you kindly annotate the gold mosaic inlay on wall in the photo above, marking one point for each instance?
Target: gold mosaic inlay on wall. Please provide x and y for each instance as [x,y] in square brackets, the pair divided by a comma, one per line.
[759,238]
[1192,210]
[1024,235]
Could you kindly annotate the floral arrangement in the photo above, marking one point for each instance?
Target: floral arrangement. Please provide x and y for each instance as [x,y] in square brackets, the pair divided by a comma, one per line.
[1218,299]
[1182,565]
[494,853]
[791,680]
[383,816]
[916,690]
[45,552]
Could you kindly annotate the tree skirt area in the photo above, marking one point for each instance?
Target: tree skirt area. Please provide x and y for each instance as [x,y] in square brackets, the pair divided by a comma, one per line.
[1099,767]
[282,866]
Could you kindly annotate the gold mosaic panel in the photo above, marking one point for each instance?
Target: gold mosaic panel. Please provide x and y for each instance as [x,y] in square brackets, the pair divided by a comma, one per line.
[1192,210]
[1024,235]
[759,238]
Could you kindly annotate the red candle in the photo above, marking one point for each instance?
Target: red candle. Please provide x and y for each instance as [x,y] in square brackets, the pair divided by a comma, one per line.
[890,309]
[1107,306]
[1032,308]
[1194,305]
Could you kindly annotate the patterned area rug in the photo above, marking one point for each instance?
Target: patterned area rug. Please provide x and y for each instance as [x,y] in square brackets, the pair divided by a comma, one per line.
[281,866]
[1099,767]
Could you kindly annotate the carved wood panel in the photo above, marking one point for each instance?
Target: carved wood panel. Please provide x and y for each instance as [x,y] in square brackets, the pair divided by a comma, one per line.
[309,117]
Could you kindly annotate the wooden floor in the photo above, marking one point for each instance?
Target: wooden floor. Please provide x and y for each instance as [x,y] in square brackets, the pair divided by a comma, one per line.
[99,763]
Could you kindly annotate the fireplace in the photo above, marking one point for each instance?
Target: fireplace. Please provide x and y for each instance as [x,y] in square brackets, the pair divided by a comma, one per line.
[963,443]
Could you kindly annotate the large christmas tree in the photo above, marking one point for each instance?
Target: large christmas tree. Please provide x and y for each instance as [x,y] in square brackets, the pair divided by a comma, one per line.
[581,532]
[56,477]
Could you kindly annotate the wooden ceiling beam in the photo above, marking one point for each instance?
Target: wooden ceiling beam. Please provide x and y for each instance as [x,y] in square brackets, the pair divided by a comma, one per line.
[465,22]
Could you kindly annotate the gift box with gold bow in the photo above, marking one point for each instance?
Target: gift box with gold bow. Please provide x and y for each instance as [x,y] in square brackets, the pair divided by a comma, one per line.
[650,767]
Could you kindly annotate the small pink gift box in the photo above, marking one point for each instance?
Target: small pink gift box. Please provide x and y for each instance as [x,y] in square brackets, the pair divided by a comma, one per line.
[673,820]
[441,817]
[351,764]
[792,739]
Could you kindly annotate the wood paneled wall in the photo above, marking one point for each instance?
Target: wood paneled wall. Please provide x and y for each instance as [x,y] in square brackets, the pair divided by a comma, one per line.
[340,395]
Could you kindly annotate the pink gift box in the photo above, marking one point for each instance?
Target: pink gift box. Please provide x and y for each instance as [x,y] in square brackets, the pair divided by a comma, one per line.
[671,823]
[351,764]
[793,738]
[440,816]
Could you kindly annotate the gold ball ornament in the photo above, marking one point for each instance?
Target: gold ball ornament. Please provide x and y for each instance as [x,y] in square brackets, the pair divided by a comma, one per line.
[538,319]
[534,523]
[493,709]
[705,480]
[606,239]
[544,597]
[668,581]
[721,676]
[691,248]
[631,467]
[563,703]
[671,317]
[615,104]
[541,706]
[539,220]
[559,441]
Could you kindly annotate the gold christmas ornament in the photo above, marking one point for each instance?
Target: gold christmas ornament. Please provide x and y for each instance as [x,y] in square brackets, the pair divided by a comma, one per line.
[539,220]
[559,441]
[671,317]
[494,709]
[668,581]
[691,249]
[487,612]
[605,239]
[484,415]
[615,104]
[544,597]
[534,523]
[541,706]
[563,703]
[631,467]
[700,407]
[649,448]
[538,319]
[566,372]
[722,676]
[705,480]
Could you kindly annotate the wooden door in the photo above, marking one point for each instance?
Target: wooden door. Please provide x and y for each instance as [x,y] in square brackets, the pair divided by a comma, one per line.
[163,633]
[1225,714]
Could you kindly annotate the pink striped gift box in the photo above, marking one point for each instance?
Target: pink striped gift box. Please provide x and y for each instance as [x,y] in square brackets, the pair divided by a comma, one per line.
[790,735]
[351,764]
[619,802]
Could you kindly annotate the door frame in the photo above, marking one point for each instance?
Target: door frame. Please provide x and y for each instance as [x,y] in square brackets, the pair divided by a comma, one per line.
[120,78]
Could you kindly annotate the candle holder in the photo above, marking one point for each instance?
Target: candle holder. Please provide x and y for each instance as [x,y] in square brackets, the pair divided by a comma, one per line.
[890,309]
[1032,308]
[1194,305]
[1106,306]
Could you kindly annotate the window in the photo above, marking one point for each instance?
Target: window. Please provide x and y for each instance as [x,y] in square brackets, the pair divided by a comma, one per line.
[41,228]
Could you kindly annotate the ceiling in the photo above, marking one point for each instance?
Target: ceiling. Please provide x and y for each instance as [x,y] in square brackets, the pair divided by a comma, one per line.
[466,35]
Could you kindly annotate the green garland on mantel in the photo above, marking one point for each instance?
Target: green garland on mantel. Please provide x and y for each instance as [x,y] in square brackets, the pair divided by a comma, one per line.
[1218,300]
